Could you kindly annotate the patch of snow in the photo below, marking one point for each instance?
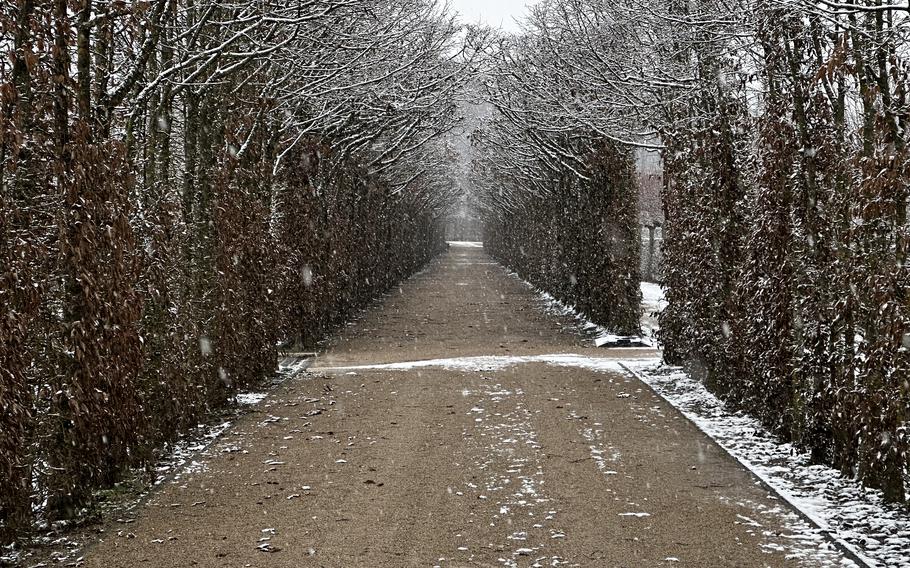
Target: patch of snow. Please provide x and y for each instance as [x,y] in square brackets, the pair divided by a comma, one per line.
[180,459]
[496,362]
[605,338]
[250,398]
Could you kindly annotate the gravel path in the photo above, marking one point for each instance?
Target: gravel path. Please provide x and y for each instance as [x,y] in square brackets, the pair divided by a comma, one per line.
[534,461]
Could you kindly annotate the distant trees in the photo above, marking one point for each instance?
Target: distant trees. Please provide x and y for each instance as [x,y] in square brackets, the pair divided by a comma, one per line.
[784,143]
[559,197]
[185,185]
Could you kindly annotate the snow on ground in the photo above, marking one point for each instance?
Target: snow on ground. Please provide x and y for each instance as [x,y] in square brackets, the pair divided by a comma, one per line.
[856,518]
[249,398]
[502,427]
[465,244]
[186,456]
[497,362]
[602,336]
[745,440]
[842,511]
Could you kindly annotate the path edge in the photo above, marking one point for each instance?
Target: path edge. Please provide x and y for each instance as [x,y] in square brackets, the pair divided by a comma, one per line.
[846,548]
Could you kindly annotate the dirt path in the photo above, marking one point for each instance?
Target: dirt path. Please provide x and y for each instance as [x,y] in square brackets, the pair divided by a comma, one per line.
[540,461]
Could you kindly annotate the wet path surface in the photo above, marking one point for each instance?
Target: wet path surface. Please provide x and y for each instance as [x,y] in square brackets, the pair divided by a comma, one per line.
[520,445]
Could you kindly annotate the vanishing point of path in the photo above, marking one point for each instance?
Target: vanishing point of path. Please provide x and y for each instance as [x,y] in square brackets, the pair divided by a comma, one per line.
[369,460]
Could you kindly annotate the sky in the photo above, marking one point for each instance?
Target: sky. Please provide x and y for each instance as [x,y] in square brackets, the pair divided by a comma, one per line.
[500,13]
